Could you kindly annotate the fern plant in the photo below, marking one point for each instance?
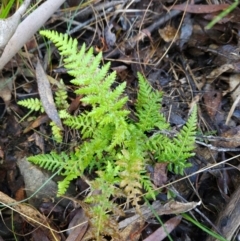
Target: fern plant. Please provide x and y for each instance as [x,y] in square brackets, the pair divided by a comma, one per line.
[111,143]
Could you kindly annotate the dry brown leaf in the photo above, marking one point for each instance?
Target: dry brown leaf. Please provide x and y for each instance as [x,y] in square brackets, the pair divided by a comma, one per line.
[159,175]
[212,100]
[218,71]
[232,138]
[78,226]
[46,96]
[200,8]
[133,231]
[6,85]
[20,194]
[39,141]
[33,216]
[174,207]
[74,104]
[36,123]
[162,232]
[234,88]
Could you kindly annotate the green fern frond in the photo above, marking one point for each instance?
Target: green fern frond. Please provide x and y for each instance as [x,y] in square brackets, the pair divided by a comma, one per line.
[147,184]
[95,97]
[67,46]
[63,114]
[52,161]
[80,64]
[64,184]
[148,107]
[32,104]
[84,122]
[157,143]
[61,96]
[57,132]
[104,182]
[180,148]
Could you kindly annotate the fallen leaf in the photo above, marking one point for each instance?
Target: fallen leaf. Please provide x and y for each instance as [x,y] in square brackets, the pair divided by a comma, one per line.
[36,123]
[212,100]
[133,231]
[163,232]
[6,85]
[232,138]
[46,96]
[159,175]
[110,37]
[146,212]
[74,104]
[20,194]
[186,30]
[38,234]
[200,8]
[78,226]
[225,54]
[174,207]
[218,71]
[234,89]
[33,216]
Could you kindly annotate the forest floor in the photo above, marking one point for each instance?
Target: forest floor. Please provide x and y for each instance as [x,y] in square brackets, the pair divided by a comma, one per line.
[170,44]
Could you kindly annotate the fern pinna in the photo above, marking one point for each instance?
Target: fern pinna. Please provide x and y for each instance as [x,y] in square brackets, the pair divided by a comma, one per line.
[118,147]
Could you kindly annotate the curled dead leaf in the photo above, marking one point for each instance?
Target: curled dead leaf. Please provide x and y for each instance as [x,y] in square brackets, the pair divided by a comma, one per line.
[178,207]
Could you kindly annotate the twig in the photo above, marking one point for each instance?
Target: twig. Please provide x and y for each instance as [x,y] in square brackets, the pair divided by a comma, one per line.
[211,147]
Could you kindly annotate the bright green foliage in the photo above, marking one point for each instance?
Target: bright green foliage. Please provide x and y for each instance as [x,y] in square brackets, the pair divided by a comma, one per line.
[177,150]
[61,96]
[147,107]
[5,7]
[111,143]
[56,131]
[32,104]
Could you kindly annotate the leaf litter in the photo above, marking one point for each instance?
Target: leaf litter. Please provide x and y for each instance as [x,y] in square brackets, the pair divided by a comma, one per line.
[167,42]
